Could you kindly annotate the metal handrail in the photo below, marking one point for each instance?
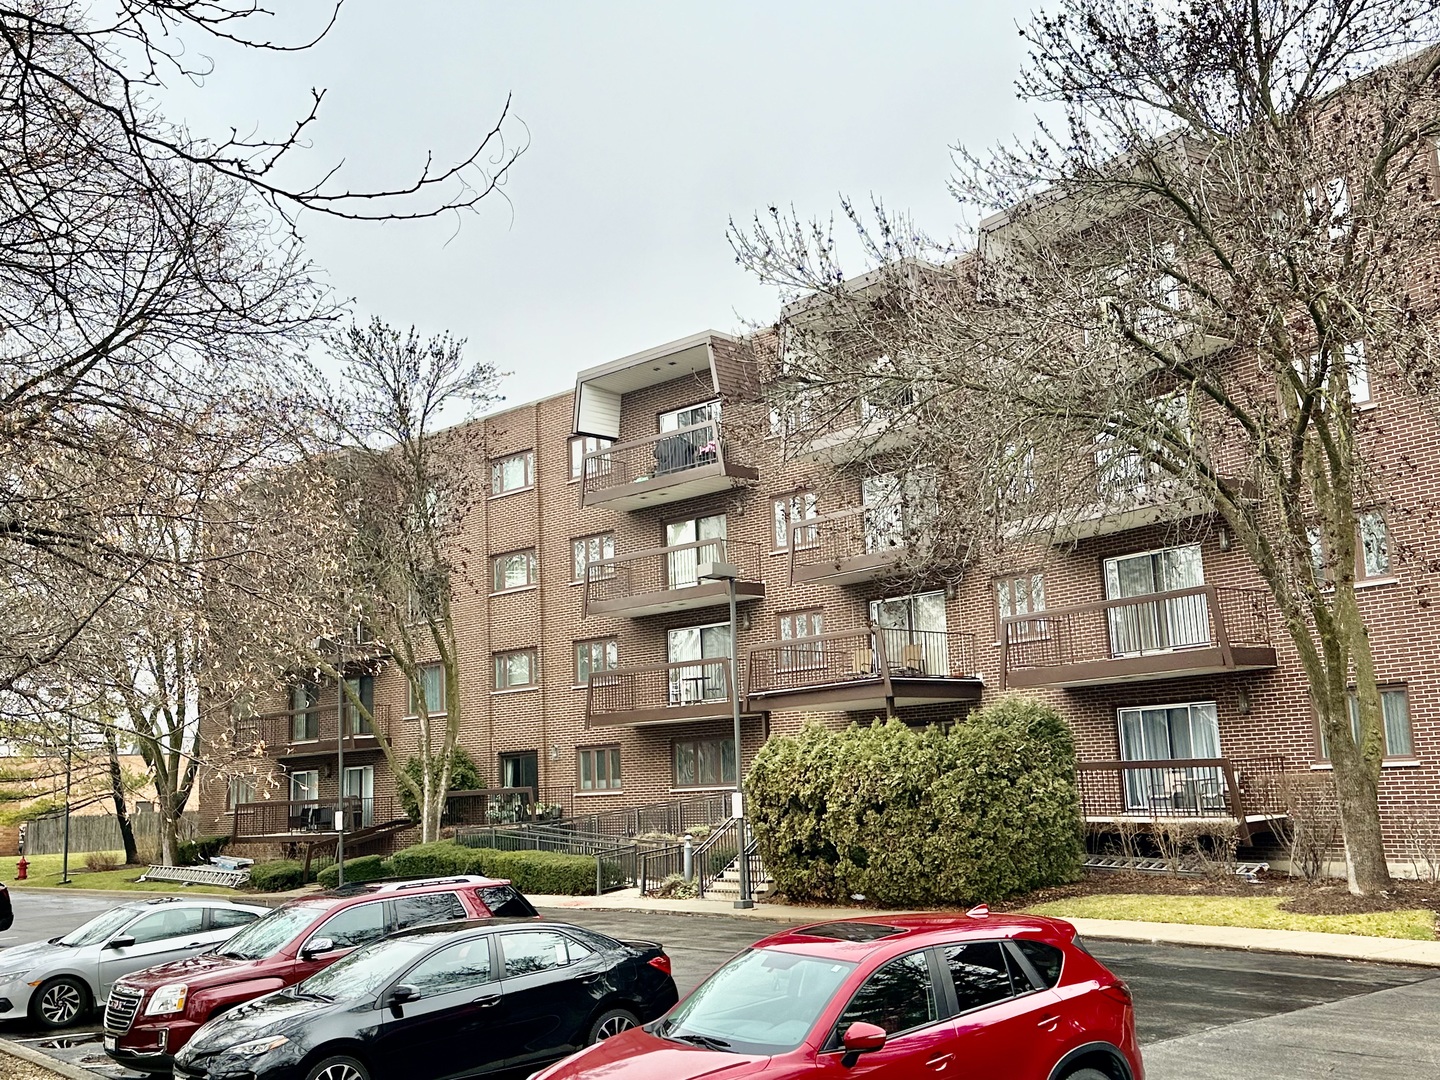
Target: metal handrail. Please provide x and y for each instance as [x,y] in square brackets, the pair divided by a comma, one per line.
[653,570]
[726,837]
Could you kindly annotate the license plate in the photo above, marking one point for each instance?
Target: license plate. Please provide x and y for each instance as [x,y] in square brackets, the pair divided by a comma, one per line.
[109,1042]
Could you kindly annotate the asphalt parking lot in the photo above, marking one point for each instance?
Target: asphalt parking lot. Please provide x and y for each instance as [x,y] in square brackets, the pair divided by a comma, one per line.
[1201,1013]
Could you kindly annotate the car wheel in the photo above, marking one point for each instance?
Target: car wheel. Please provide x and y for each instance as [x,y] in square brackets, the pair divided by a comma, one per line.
[611,1022]
[60,1002]
[1087,1074]
[339,1067]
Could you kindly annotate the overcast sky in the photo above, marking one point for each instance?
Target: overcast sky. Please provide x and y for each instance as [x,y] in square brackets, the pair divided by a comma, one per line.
[649,125]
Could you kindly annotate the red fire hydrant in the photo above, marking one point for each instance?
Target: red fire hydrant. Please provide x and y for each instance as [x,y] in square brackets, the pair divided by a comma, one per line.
[20,869]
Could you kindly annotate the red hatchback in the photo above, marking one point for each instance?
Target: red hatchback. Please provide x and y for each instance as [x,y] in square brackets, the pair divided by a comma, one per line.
[976,995]
[151,1014]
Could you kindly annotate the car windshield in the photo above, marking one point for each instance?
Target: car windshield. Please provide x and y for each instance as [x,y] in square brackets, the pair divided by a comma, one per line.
[366,970]
[763,1002]
[101,928]
[268,934]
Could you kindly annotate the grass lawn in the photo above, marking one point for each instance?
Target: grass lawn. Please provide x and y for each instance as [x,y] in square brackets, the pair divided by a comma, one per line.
[1258,912]
[44,870]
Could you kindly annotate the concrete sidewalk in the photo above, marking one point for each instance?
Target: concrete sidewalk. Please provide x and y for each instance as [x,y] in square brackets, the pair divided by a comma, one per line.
[1295,942]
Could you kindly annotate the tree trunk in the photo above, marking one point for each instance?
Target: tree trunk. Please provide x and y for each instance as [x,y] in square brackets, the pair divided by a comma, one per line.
[117,796]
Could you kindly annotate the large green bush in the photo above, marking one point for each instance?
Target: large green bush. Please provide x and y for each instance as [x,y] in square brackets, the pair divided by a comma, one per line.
[464,776]
[362,868]
[540,872]
[197,851]
[914,818]
[277,876]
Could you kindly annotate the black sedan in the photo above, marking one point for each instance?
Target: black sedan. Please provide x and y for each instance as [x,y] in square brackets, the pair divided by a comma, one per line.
[435,1002]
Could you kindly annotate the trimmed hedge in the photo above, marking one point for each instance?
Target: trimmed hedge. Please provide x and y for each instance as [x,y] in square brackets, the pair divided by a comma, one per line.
[543,872]
[361,868]
[913,818]
[277,876]
[198,851]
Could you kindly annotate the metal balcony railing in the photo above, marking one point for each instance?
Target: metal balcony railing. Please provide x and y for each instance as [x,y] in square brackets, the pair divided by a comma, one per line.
[657,461]
[849,545]
[871,653]
[654,693]
[668,578]
[309,731]
[1167,789]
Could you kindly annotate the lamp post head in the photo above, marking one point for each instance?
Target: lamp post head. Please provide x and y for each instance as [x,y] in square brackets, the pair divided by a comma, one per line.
[717,571]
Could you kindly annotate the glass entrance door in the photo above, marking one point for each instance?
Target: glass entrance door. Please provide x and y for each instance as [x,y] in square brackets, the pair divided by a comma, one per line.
[1177,732]
[1160,625]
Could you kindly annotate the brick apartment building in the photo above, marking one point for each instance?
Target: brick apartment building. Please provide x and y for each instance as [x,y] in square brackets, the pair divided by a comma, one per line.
[595,664]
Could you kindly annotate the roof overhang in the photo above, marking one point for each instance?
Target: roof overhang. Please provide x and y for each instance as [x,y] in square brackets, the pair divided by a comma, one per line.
[598,390]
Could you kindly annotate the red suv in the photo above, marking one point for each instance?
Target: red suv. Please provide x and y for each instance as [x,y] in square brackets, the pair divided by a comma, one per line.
[152,1013]
[906,997]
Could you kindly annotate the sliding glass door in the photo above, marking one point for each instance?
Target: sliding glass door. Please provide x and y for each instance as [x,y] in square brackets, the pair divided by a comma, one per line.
[1175,732]
[1176,622]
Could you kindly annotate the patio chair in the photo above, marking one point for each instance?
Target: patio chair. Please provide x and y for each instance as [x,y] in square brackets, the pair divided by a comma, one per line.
[912,659]
[862,662]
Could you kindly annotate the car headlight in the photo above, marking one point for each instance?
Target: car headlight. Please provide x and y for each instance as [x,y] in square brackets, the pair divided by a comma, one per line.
[256,1047]
[170,998]
[11,976]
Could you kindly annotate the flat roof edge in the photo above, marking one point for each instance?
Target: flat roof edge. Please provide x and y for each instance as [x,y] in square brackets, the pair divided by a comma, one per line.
[653,353]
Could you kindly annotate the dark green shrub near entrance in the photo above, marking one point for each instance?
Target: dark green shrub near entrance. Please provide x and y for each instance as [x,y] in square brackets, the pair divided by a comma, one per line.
[197,851]
[540,872]
[911,817]
[362,868]
[430,860]
[277,876]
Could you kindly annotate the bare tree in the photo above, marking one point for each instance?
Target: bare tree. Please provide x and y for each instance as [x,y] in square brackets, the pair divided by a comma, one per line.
[1181,297]
[408,487]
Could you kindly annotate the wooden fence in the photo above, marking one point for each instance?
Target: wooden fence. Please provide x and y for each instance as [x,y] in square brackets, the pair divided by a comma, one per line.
[100,832]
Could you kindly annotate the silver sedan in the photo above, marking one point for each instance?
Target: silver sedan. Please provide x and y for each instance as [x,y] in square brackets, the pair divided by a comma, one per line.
[58,982]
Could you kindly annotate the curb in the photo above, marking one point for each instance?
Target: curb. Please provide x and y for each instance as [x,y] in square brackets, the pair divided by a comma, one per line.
[44,1061]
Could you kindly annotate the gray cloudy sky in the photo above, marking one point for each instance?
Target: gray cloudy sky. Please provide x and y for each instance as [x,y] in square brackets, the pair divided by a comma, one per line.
[649,125]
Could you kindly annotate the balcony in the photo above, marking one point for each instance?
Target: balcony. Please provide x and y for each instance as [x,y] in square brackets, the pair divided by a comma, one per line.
[1203,630]
[663,468]
[306,732]
[662,579]
[844,548]
[1197,791]
[873,668]
[313,820]
[660,694]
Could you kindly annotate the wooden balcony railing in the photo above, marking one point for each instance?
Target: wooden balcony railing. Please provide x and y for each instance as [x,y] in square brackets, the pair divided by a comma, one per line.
[662,467]
[660,579]
[870,663]
[1244,791]
[657,693]
[1200,630]
[849,546]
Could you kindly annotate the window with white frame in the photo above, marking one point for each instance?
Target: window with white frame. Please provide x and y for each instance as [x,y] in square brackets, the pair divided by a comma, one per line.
[515,570]
[513,473]
[432,680]
[795,627]
[580,445]
[592,549]
[515,669]
[593,657]
[1394,723]
[1327,206]
[598,768]
[789,510]
[1373,556]
[305,785]
[689,416]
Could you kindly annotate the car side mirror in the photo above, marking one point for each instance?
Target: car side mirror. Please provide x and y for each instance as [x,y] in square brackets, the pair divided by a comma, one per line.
[401,994]
[316,946]
[861,1038]
[123,941]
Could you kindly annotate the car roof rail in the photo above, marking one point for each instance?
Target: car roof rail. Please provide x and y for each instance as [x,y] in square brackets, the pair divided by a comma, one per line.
[460,879]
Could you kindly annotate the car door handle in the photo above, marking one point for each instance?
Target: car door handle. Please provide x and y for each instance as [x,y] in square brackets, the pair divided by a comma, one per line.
[486,1000]
[1048,1023]
[588,978]
[940,1062]
[194,944]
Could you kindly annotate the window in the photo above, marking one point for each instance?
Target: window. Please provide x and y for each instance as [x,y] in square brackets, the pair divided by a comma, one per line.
[899,996]
[429,908]
[980,974]
[689,416]
[1374,547]
[704,763]
[304,720]
[1045,959]
[1395,723]
[1186,730]
[898,509]
[699,654]
[224,918]
[1327,205]
[1357,370]
[172,923]
[581,445]
[431,678]
[359,717]
[593,549]
[599,768]
[520,770]
[462,966]
[1022,595]
[353,927]
[601,654]
[787,511]
[304,786]
[531,951]
[513,473]
[515,669]
[515,570]
[706,539]
[796,626]
[241,789]
[912,631]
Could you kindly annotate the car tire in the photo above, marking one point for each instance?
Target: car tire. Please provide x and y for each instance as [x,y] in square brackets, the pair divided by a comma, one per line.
[610,1022]
[1087,1074]
[60,1002]
[338,1067]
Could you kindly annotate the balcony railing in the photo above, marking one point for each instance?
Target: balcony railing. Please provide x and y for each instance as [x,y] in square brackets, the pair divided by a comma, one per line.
[663,579]
[849,546]
[316,817]
[661,468]
[296,732]
[880,667]
[660,693]
[1201,630]
[1242,791]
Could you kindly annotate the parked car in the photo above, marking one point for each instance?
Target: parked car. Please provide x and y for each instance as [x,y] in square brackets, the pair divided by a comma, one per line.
[150,1015]
[7,913]
[439,1002]
[905,997]
[58,982]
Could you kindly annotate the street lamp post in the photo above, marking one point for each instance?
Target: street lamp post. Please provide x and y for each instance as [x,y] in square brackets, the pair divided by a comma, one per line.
[325,645]
[727,572]
[69,756]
